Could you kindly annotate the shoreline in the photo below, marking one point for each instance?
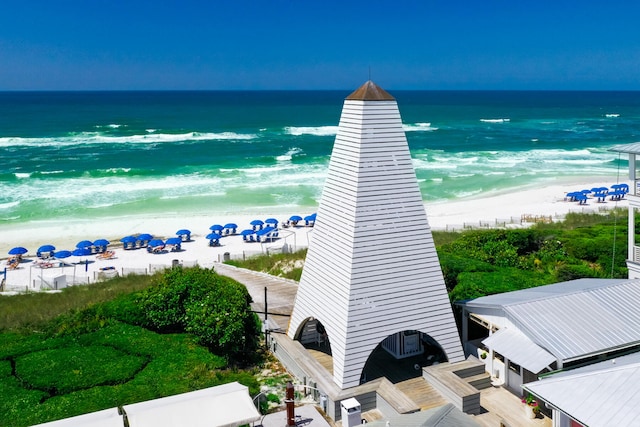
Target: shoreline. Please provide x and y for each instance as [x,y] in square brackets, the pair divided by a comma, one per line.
[486,210]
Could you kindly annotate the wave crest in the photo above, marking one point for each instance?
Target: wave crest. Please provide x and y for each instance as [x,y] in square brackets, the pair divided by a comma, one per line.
[311,130]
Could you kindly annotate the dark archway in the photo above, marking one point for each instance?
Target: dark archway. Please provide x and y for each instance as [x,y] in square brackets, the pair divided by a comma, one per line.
[313,335]
[402,356]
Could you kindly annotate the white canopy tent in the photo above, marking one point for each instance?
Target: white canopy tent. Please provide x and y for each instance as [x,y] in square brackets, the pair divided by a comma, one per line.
[227,405]
[105,418]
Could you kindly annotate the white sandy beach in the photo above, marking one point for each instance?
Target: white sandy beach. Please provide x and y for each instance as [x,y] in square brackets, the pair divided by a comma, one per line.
[547,201]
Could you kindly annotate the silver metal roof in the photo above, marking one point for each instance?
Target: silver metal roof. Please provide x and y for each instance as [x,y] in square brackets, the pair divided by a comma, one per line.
[633,148]
[519,349]
[604,397]
[443,416]
[573,319]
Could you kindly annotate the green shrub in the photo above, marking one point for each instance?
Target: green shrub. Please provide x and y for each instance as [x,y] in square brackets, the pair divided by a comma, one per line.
[453,265]
[215,309]
[67,369]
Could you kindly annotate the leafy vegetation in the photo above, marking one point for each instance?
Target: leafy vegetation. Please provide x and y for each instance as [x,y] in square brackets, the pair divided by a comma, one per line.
[484,262]
[183,330]
[288,266]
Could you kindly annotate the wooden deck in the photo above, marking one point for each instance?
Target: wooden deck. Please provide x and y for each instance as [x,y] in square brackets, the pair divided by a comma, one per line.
[422,393]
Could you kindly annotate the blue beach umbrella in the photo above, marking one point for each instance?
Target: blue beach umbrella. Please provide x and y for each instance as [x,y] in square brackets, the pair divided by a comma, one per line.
[101,242]
[214,236]
[18,250]
[46,248]
[216,227]
[271,221]
[173,241]
[129,242]
[84,244]
[145,237]
[184,232]
[265,230]
[231,226]
[63,254]
[80,252]
[155,243]
[295,218]
[257,222]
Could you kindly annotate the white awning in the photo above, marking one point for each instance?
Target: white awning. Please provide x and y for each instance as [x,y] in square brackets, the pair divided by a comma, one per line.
[518,348]
[104,418]
[227,405]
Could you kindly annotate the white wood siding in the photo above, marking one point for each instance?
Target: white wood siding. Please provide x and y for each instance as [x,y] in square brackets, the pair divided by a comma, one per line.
[372,269]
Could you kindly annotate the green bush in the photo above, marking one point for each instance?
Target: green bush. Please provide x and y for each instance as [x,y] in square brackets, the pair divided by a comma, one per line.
[215,309]
[453,265]
[477,284]
[67,369]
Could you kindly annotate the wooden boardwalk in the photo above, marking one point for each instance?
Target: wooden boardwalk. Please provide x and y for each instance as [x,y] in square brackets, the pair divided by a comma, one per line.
[281,293]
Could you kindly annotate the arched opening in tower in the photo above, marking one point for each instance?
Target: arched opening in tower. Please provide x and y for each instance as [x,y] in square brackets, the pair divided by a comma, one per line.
[313,336]
[401,356]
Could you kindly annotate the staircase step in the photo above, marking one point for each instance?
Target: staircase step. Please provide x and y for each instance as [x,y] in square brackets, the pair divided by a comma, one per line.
[480,381]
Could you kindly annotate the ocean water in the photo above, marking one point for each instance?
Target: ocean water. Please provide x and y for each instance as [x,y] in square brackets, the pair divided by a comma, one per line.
[76,155]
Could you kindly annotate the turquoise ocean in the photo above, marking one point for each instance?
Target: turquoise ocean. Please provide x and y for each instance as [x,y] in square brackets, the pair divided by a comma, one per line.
[80,155]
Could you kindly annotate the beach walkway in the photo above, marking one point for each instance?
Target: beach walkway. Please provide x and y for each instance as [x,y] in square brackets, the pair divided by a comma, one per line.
[280,293]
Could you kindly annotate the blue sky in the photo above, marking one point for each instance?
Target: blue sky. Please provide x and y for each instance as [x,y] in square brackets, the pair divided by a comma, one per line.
[305,44]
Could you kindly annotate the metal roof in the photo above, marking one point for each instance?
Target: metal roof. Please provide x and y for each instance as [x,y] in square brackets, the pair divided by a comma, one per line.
[573,319]
[442,416]
[633,148]
[606,396]
[519,349]
[540,292]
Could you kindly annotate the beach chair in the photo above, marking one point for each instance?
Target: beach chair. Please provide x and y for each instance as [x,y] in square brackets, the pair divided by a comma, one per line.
[106,255]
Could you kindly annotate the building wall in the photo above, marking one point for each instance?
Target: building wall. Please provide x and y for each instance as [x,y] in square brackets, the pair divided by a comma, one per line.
[372,269]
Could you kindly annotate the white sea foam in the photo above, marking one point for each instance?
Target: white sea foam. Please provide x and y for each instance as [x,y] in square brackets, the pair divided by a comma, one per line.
[463,194]
[418,127]
[100,138]
[289,154]
[311,130]
[495,120]
[116,170]
[612,115]
[8,205]
[22,175]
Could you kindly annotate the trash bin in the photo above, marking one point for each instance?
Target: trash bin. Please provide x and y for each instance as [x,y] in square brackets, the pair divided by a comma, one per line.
[226,256]
[175,263]
[351,412]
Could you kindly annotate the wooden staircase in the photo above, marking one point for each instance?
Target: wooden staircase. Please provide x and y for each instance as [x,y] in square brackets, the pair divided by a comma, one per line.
[460,383]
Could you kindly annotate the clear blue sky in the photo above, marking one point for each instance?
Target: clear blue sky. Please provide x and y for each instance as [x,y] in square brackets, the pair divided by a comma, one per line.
[323,44]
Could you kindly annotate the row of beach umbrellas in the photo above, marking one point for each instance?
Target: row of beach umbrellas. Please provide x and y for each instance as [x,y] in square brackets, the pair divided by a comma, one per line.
[87,247]
[616,192]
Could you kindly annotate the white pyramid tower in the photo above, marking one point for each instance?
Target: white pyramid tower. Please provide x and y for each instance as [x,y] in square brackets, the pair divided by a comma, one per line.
[371,268]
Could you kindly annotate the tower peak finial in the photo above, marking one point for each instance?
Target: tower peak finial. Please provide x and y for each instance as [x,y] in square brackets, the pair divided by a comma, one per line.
[370,92]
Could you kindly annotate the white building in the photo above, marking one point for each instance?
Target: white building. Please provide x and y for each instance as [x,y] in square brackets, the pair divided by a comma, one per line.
[372,274]
[633,258]
[534,331]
